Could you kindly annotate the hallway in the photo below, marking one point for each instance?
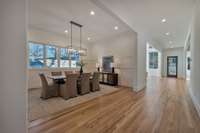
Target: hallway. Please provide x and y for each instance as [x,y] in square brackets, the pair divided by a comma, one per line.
[164,107]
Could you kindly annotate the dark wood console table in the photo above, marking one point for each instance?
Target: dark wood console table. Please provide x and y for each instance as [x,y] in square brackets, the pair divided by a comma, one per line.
[109,78]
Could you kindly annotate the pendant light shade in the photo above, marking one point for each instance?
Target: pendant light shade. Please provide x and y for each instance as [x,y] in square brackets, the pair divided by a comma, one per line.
[82,51]
[71,49]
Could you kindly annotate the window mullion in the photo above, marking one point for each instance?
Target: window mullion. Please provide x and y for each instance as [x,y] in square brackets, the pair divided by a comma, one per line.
[58,56]
[45,56]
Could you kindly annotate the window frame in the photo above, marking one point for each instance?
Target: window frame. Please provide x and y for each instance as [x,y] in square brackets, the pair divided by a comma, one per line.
[45,56]
[28,54]
[60,58]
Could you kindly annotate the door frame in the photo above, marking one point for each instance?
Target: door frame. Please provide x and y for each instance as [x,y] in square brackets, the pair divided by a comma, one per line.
[168,75]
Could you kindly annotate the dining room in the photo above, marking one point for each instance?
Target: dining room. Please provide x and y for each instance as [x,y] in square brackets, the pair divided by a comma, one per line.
[69,60]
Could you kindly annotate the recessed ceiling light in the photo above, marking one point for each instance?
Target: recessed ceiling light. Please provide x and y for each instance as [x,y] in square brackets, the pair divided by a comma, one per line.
[88,38]
[92,13]
[116,28]
[66,31]
[167,33]
[170,42]
[164,20]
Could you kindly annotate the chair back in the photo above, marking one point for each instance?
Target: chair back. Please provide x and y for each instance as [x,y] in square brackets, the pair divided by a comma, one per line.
[69,89]
[43,81]
[71,81]
[85,83]
[95,81]
[56,73]
[68,72]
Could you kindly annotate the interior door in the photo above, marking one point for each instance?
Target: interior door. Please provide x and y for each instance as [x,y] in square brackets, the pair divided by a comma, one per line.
[172,66]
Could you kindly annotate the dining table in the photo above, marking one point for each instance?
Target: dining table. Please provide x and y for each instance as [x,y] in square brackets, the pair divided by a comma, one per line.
[60,79]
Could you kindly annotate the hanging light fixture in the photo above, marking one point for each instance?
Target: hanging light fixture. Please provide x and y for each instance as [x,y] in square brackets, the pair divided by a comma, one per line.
[82,51]
[71,49]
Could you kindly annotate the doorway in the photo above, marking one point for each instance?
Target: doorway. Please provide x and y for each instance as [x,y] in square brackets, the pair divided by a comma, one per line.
[172,66]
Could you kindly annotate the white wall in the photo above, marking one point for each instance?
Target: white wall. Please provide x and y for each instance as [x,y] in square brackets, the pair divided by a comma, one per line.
[46,37]
[195,55]
[13,66]
[181,61]
[141,63]
[124,49]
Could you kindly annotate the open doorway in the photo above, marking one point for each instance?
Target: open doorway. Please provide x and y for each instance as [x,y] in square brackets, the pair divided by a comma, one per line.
[153,66]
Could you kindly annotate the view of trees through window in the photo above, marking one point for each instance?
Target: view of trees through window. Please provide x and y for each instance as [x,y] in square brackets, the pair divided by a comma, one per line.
[36,55]
[74,59]
[51,56]
[64,57]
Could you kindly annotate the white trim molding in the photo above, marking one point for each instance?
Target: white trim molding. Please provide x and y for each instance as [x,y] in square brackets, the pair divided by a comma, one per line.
[194,100]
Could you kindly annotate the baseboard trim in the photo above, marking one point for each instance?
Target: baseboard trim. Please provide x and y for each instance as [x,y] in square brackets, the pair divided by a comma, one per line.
[197,106]
[140,88]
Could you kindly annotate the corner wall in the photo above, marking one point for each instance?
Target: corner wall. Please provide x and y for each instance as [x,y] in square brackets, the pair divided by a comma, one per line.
[195,56]
[124,49]
[141,63]
[13,93]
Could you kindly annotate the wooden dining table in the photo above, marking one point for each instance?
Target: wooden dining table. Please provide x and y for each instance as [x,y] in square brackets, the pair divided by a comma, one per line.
[61,78]
[58,79]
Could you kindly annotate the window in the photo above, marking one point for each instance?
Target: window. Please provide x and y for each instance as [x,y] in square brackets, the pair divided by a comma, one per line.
[41,55]
[153,60]
[75,58]
[64,57]
[51,57]
[36,55]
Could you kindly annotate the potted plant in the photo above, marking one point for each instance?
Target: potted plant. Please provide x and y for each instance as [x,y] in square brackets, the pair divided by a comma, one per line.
[81,64]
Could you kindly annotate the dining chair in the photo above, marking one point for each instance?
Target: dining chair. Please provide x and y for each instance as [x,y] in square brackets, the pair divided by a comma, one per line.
[84,83]
[69,89]
[94,82]
[59,73]
[48,90]
[68,72]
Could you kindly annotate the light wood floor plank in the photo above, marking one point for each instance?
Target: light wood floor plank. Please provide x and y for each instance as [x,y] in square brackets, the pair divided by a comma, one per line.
[163,107]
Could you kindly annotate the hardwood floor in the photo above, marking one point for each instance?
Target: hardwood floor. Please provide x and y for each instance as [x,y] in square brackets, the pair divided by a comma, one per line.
[163,107]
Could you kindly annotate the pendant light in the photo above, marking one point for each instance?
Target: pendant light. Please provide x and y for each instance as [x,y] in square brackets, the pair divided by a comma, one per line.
[82,51]
[70,48]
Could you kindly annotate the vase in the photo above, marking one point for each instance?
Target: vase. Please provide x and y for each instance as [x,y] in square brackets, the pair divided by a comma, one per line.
[81,70]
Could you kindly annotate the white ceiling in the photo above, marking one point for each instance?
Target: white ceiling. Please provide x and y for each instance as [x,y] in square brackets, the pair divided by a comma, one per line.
[145,16]
[55,15]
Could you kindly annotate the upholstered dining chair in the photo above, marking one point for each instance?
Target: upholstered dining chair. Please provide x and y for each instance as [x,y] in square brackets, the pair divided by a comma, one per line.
[94,82]
[48,90]
[60,81]
[68,72]
[69,89]
[59,73]
[84,83]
